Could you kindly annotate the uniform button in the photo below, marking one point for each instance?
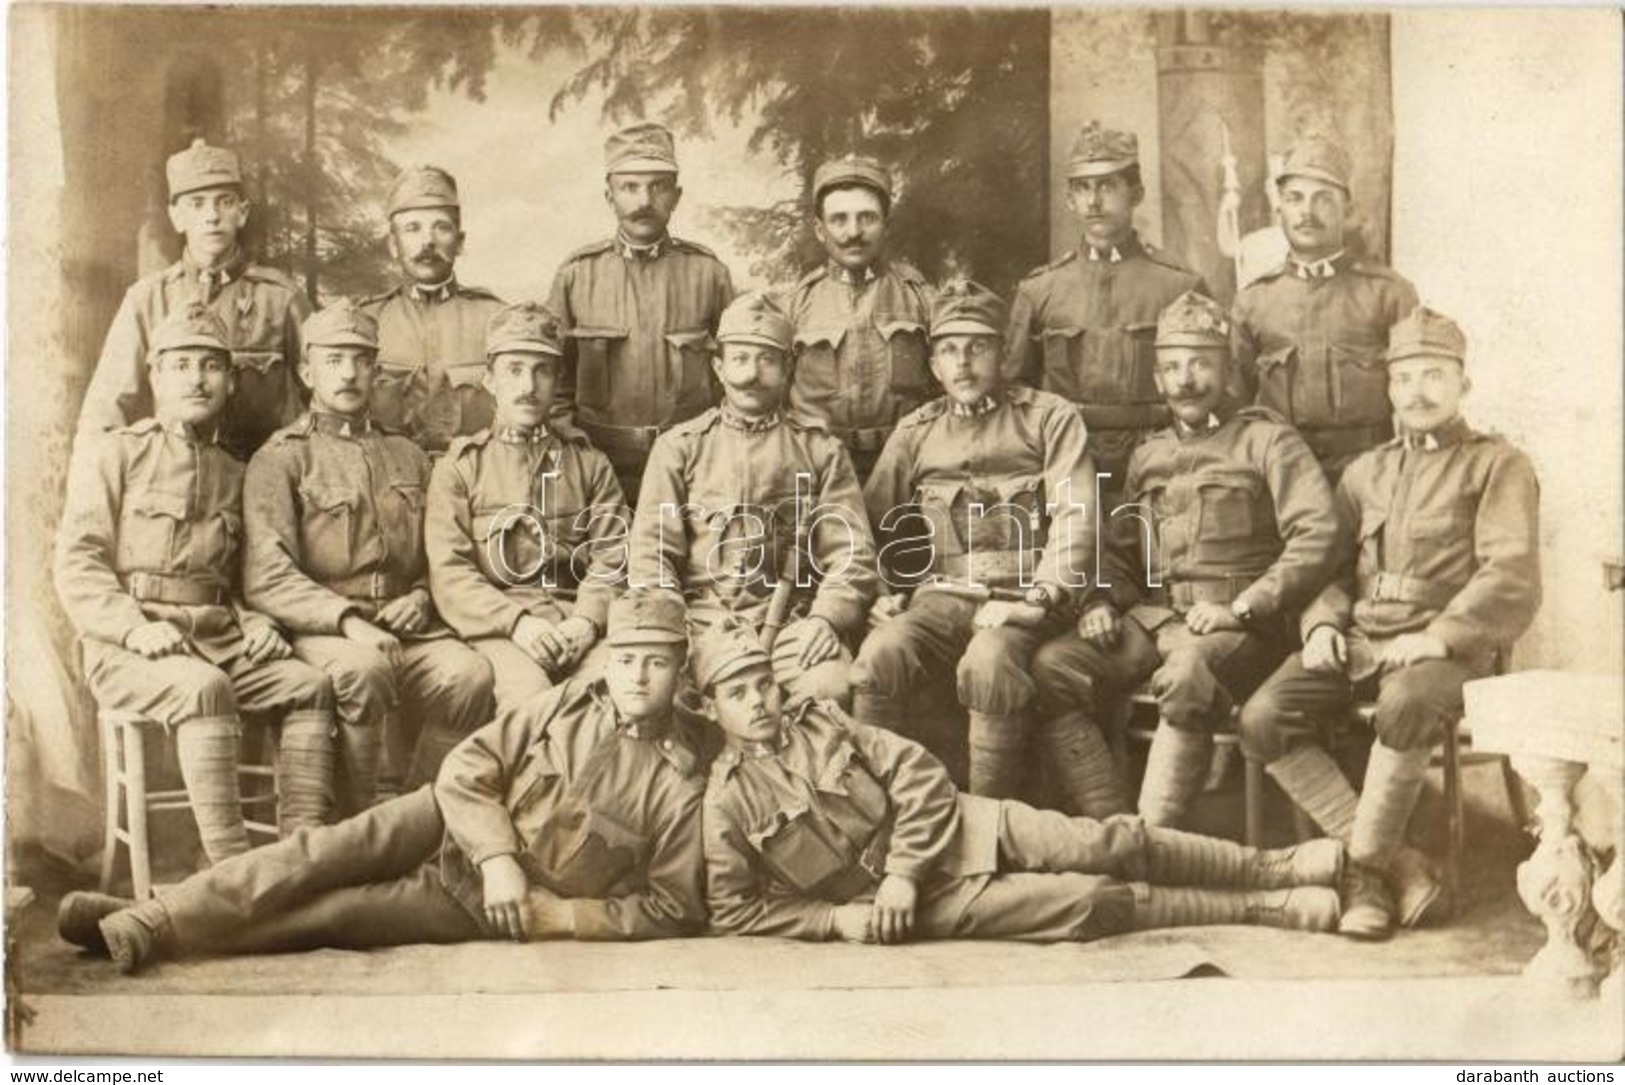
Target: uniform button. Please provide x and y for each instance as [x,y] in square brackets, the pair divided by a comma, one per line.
[665,744]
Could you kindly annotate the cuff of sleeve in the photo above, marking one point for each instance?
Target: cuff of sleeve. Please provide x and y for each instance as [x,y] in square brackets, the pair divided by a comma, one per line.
[506,619]
[1456,636]
[905,868]
[1259,600]
[828,925]
[478,855]
[593,605]
[332,615]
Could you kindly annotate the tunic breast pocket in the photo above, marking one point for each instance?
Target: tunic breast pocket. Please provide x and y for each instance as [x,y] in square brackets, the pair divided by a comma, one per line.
[1360,380]
[906,350]
[397,392]
[598,349]
[150,529]
[688,363]
[327,528]
[216,542]
[1063,361]
[1117,365]
[1440,541]
[818,375]
[402,512]
[513,544]
[1227,507]
[798,853]
[586,852]
[263,389]
[1275,369]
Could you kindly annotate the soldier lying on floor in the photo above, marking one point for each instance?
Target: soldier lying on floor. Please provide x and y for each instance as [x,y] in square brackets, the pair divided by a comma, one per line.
[576,815]
[819,827]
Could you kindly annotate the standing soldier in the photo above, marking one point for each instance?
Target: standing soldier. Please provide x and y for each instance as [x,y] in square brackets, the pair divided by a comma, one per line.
[334,512]
[526,527]
[260,308]
[640,309]
[574,816]
[1082,326]
[1310,334]
[998,472]
[754,511]
[147,569]
[1447,577]
[861,350]
[431,328]
[1231,531]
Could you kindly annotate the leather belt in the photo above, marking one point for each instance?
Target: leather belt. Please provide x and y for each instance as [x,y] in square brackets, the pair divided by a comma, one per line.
[1184,594]
[621,438]
[371,587]
[1394,588]
[992,566]
[176,590]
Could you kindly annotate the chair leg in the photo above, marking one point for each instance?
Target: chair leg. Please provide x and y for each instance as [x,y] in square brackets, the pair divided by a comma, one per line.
[1457,815]
[135,790]
[1253,796]
[112,796]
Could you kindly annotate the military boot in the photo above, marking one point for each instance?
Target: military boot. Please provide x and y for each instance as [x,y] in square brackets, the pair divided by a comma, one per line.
[998,746]
[1176,858]
[1175,769]
[1393,780]
[78,916]
[1084,768]
[1416,886]
[1304,909]
[1368,908]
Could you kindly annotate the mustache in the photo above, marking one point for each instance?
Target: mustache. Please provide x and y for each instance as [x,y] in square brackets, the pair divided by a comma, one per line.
[1420,405]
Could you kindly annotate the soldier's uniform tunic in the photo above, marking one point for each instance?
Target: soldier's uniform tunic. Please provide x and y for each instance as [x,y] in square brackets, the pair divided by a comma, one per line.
[1083,327]
[524,524]
[334,512]
[718,516]
[1447,528]
[1236,511]
[862,359]
[797,827]
[638,360]
[1310,340]
[431,360]
[261,309]
[600,812]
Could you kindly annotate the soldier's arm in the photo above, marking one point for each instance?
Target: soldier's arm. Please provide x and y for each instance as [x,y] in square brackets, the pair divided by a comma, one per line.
[469,603]
[472,785]
[1244,347]
[1069,483]
[1021,364]
[118,392]
[89,589]
[843,548]
[1500,600]
[558,300]
[293,344]
[659,539]
[672,900]
[1307,521]
[736,884]
[925,803]
[609,523]
[890,486]
[273,582]
[1334,606]
[1127,535]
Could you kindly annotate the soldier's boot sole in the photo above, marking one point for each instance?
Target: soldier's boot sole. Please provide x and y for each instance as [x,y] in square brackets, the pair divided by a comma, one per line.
[79,915]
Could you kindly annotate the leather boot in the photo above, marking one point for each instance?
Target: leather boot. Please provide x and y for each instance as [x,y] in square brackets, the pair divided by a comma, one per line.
[1307,909]
[1176,858]
[1083,765]
[137,936]
[1416,887]
[1313,780]
[79,914]
[1175,769]
[998,745]
[1368,909]
[207,748]
[304,770]
[1393,780]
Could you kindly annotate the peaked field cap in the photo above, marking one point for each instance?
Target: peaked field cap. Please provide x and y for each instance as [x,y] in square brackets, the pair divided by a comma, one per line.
[526,326]
[420,187]
[649,616]
[340,325]
[963,307]
[1429,334]
[194,325]
[201,166]
[1099,150]
[641,148]
[1319,158]
[1193,320]
[755,318]
[852,169]
[725,650]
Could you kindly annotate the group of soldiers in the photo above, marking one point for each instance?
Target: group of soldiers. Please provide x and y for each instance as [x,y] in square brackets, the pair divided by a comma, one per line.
[605,617]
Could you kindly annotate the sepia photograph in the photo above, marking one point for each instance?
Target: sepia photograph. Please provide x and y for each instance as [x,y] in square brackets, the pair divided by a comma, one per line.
[798,533]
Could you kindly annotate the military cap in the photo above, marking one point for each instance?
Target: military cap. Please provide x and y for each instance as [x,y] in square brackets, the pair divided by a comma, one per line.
[648,617]
[1319,158]
[853,169]
[641,148]
[754,318]
[1426,334]
[194,325]
[1099,151]
[963,307]
[527,326]
[421,187]
[201,166]
[1193,320]
[340,325]
[724,650]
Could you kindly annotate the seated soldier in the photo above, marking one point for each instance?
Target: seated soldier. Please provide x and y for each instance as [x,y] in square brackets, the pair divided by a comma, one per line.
[576,815]
[819,827]
[526,526]
[1447,577]
[146,567]
[727,496]
[333,507]
[1231,531]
